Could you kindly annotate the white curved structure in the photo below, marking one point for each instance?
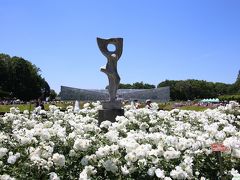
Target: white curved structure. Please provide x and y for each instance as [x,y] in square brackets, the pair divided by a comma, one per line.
[158,94]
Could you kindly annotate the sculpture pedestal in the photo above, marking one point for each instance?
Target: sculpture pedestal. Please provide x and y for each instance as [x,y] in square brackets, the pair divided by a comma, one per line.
[109,114]
[111,105]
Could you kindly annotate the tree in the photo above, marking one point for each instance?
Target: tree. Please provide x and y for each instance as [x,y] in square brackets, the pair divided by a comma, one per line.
[125,86]
[136,85]
[21,79]
[141,85]
[236,86]
[4,94]
[52,94]
[194,89]
[4,77]
[45,89]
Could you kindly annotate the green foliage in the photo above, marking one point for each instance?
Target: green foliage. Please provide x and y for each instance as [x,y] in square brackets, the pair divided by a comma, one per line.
[52,94]
[4,93]
[236,86]
[141,85]
[125,86]
[21,79]
[235,97]
[197,89]
[194,89]
[136,85]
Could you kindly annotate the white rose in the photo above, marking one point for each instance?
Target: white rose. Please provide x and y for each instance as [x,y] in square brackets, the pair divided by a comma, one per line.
[58,159]
[159,173]
[150,171]
[3,152]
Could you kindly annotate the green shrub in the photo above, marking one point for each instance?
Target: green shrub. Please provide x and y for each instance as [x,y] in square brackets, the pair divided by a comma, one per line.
[235,97]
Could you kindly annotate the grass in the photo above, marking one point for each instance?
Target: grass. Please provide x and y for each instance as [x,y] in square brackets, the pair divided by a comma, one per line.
[169,106]
[166,106]
[163,106]
[22,107]
[193,108]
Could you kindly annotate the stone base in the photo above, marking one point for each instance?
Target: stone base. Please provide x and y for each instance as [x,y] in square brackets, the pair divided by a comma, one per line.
[111,105]
[109,114]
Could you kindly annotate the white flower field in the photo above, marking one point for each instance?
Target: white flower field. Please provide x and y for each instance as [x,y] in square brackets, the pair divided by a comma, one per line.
[142,144]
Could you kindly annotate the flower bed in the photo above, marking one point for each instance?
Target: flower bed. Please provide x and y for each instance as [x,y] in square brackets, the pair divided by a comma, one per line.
[144,144]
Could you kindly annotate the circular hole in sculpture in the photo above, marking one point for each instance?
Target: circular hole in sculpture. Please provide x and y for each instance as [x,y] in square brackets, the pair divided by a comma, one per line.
[111,47]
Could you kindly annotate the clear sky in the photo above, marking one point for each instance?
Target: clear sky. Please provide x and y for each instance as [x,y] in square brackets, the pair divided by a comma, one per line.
[170,39]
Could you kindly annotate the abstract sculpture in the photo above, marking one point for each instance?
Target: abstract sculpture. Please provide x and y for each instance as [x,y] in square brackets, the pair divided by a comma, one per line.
[111,68]
[111,108]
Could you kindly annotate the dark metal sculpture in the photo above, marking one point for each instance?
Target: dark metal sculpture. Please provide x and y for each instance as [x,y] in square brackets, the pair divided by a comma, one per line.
[111,68]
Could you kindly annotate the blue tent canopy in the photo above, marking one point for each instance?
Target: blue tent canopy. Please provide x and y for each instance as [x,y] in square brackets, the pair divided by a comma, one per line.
[213,100]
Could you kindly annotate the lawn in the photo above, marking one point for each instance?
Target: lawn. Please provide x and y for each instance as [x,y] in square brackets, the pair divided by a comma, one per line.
[193,108]
[170,105]
[22,107]
[163,106]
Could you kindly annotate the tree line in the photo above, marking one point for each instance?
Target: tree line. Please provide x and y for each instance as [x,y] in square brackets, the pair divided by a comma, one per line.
[197,89]
[191,89]
[21,79]
[136,85]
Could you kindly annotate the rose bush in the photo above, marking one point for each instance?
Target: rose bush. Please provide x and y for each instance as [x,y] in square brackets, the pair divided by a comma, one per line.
[142,144]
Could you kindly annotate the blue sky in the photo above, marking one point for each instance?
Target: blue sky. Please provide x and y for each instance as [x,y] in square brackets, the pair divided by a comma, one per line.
[171,39]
